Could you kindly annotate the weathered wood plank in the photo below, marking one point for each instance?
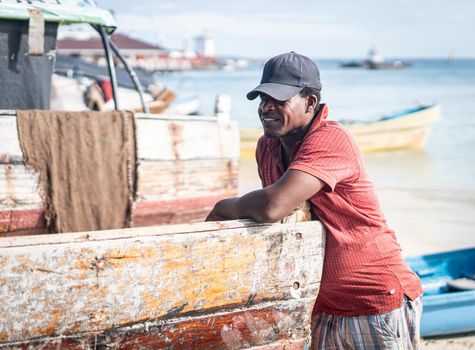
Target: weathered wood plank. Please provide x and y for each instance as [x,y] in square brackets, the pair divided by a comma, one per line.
[10,150]
[145,213]
[156,180]
[104,235]
[24,221]
[89,283]
[18,187]
[191,178]
[158,138]
[277,325]
[165,139]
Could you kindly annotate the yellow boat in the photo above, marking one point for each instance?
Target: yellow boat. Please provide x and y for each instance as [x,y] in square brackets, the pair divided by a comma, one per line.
[408,129]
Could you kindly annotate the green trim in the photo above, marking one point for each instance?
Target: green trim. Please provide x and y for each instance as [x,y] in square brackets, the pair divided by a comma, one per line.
[64,14]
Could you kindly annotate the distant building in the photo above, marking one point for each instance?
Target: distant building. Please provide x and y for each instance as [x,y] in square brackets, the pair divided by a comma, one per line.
[138,53]
[205,46]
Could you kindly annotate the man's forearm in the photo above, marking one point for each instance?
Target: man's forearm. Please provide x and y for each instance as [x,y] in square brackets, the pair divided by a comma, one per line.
[254,205]
[271,203]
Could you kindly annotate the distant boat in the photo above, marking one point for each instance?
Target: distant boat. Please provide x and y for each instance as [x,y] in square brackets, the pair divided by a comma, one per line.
[449,291]
[408,129]
[388,66]
[353,64]
[375,61]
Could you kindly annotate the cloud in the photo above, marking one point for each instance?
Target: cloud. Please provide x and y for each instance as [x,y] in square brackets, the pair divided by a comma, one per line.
[338,27]
[268,27]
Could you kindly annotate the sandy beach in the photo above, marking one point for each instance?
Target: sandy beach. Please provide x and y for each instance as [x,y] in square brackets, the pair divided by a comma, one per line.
[425,221]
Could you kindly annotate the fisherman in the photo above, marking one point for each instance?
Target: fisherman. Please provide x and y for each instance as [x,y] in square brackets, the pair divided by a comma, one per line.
[369,298]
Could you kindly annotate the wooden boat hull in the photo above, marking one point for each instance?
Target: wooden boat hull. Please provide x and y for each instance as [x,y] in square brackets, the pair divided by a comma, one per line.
[185,165]
[407,130]
[446,311]
[235,284]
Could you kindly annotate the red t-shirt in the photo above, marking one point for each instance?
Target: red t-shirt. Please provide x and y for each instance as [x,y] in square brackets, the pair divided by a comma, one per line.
[363,270]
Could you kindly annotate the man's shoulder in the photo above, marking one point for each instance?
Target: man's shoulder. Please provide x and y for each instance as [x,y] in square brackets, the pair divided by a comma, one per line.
[331,137]
[330,131]
[332,126]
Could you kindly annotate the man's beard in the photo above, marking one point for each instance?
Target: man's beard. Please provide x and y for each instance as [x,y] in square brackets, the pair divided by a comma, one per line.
[271,134]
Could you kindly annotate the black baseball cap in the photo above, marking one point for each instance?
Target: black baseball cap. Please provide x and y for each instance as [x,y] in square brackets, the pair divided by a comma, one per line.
[286,75]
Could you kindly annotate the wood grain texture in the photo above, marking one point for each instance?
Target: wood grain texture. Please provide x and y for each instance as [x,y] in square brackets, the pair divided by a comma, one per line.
[92,284]
[18,187]
[274,325]
[191,178]
[186,138]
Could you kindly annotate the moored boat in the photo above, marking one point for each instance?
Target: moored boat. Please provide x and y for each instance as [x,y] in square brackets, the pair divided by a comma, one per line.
[214,285]
[375,61]
[81,85]
[408,129]
[448,279]
[173,153]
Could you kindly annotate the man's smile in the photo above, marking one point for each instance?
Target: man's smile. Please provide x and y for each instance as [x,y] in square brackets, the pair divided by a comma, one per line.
[268,118]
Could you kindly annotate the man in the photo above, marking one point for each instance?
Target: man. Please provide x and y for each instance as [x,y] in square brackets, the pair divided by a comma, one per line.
[369,298]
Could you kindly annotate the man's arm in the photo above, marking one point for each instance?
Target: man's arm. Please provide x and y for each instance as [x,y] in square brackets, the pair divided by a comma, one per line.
[271,203]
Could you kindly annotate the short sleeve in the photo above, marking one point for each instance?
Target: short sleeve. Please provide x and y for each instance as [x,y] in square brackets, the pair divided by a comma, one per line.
[330,154]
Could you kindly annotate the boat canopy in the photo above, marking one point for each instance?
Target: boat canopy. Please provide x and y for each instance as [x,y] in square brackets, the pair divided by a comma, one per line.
[61,11]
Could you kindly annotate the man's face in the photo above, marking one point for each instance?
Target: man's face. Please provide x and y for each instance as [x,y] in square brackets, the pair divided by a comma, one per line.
[280,118]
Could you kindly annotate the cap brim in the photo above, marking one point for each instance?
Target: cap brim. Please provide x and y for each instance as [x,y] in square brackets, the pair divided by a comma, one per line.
[280,92]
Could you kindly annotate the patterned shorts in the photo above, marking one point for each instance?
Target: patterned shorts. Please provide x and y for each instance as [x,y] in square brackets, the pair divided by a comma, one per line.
[397,329]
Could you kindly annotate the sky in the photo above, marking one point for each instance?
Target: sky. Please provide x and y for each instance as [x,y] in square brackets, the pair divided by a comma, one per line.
[321,29]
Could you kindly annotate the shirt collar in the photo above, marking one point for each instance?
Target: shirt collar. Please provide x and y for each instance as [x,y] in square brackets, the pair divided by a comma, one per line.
[273,145]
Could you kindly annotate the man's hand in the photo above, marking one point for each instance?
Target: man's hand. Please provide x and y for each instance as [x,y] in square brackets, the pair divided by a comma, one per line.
[223,210]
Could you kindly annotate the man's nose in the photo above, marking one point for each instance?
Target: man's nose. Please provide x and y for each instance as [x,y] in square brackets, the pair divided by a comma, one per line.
[267,106]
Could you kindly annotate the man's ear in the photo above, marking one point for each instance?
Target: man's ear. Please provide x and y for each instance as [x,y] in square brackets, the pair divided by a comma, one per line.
[312,102]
